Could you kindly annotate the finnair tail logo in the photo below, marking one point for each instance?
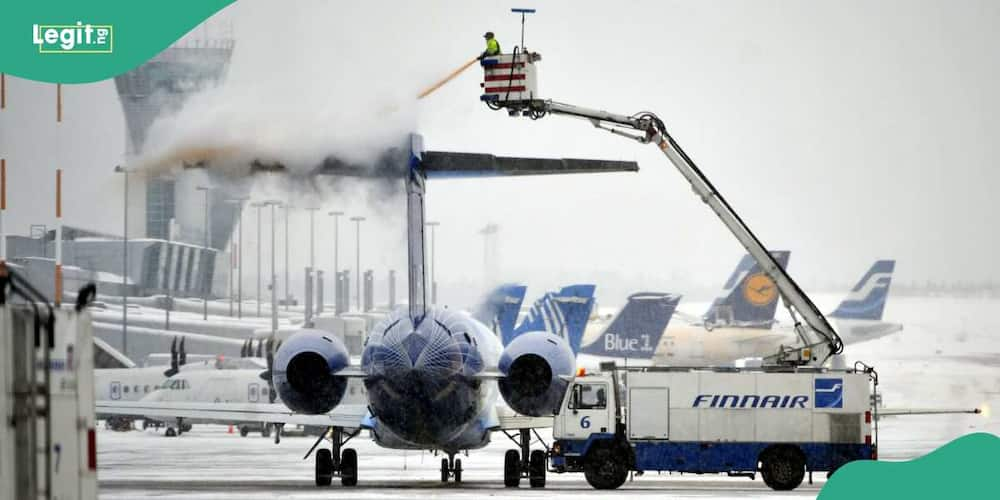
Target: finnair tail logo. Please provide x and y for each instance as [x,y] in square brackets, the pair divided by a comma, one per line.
[875,281]
[829,393]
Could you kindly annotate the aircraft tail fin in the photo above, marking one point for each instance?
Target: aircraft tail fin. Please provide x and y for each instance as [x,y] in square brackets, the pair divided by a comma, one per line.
[636,330]
[500,308]
[867,299]
[564,313]
[749,298]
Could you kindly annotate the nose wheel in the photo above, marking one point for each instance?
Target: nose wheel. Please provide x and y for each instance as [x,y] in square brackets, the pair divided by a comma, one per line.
[336,461]
[451,467]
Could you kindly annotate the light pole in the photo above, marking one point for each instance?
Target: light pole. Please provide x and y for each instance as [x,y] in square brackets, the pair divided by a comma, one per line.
[433,225]
[170,275]
[312,253]
[274,274]
[336,255]
[258,206]
[357,221]
[239,259]
[489,232]
[206,278]
[123,170]
[288,291]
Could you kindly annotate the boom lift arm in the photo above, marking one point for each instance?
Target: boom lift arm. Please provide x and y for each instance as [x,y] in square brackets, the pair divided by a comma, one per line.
[819,340]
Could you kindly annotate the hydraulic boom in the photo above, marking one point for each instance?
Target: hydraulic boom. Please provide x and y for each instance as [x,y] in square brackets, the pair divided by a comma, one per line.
[819,340]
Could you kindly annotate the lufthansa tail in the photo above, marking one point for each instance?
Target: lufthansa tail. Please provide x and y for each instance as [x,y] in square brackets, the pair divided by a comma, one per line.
[564,313]
[867,299]
[636,330]
[749,297]
[500,309]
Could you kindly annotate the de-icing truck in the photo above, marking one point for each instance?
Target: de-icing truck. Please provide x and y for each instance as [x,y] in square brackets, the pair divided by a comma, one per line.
[781,422]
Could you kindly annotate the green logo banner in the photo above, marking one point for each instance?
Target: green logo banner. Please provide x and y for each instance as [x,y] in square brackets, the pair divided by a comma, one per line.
[65,41]
[963,468]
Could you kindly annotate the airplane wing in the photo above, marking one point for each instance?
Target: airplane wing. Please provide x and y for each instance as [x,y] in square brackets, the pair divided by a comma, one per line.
[346,415]
[510,420]
[893,412]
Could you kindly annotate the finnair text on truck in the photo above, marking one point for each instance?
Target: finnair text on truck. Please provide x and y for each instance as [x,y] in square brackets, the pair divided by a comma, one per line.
[750,401]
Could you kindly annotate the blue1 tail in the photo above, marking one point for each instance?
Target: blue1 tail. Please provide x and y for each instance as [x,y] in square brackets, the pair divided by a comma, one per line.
[749,298]
[564,313]
[636,330]
[500,309]
[867,299]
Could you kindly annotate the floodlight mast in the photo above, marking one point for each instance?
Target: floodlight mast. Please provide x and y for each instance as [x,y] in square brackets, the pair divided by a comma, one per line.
[819,339]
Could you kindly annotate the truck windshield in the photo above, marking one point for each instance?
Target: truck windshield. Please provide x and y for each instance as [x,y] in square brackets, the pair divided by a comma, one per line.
[590,397]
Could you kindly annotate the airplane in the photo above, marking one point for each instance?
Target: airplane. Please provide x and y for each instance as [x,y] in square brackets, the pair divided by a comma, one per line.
[642,332]
[436,379]
[633,333]
[859,315]
[136,383]
[858,319]
[500,308]
[564,313]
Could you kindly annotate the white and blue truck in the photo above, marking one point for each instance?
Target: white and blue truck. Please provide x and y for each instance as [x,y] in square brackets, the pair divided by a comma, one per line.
[781,422]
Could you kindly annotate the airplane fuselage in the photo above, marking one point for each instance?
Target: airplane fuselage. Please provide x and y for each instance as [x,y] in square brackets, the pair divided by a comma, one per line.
[424,385]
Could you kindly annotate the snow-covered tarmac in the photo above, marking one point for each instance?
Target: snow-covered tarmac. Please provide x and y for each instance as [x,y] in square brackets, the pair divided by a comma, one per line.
[948,355]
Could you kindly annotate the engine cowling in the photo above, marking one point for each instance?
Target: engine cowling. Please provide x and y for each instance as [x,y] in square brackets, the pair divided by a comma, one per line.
[535,368]
[305,371]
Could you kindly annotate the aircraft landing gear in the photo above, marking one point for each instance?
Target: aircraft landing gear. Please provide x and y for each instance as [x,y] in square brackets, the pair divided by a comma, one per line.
[524,463]
[451,467]
[334,462]
[181,428]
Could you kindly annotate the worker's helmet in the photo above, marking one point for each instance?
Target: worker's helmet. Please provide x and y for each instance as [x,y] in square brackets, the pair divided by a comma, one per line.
[488,35]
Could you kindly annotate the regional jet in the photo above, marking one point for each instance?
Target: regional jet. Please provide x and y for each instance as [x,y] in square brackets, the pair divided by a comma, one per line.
[436,379]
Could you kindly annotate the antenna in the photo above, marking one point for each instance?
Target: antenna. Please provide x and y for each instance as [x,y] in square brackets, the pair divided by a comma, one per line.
[522,12]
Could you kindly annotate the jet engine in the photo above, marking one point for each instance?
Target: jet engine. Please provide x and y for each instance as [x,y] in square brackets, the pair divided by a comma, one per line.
[305,371]
[535,369]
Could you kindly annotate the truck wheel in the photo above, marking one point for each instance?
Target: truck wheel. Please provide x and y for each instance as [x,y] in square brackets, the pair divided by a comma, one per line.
[170,432]
[512,469]
[536,469]
[244,431]
[349,467]
[604,469]
[783,468]
[324,467]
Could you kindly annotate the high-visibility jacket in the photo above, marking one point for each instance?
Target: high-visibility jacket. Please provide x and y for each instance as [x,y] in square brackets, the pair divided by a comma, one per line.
[492,47]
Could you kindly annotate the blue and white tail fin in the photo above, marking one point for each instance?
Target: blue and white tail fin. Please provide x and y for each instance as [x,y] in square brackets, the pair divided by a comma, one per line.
[749,298]
[564,313]
[867,299]
[500,308]
[636,330]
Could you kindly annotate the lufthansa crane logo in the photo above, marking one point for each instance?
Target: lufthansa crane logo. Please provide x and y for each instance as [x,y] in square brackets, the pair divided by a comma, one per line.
[760,290]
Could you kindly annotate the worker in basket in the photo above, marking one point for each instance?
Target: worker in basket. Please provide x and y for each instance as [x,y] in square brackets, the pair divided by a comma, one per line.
[492,45]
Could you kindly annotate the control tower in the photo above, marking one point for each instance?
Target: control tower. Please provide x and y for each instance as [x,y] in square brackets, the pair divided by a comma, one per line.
[159,87]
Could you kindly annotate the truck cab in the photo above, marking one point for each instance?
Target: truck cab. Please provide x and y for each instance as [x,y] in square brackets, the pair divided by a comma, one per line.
[588,433]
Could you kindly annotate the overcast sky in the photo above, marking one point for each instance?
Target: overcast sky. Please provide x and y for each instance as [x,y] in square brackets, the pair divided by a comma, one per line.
[842,131]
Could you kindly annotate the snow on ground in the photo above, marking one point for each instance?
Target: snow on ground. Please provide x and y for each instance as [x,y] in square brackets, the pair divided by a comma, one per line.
[947,355]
